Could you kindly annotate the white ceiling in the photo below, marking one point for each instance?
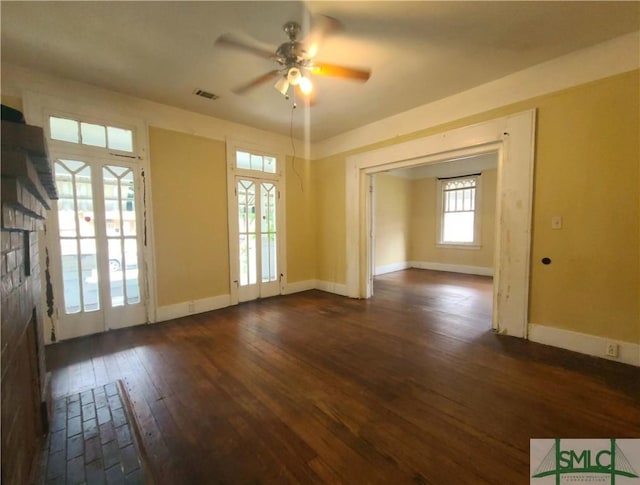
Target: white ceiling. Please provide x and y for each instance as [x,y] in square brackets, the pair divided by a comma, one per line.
[418,52]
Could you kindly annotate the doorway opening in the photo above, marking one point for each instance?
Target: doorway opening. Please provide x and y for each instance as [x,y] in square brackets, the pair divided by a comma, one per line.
[257,204]
[513,138]
[256,222]
[96,233]
[439,220]
[97,220]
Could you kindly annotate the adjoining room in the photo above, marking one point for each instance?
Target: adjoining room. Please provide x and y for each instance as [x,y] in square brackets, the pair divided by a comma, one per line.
[438,217]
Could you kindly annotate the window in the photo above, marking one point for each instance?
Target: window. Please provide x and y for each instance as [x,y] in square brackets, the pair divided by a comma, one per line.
[89,134]
[252,161]
[458,216]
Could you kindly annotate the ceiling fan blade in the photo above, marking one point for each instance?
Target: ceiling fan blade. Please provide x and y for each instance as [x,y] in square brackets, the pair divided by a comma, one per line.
[333,70]
[256,82]
[321,26]
[234,42]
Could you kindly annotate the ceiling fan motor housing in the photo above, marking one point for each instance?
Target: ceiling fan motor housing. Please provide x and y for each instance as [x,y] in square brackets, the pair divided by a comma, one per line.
[295,59]
[292,29]
[290,53]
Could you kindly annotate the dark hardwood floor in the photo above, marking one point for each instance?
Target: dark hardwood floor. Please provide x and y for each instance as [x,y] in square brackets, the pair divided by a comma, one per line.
[410,386]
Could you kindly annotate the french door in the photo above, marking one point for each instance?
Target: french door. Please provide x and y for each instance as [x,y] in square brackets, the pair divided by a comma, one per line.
[97,234]
[257,238]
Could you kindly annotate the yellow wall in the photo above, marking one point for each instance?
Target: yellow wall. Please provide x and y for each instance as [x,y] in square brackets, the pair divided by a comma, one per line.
[587,171]
[301,221]
[189,184]
[424,203]
[12,102]
[392,219]
[188,180]
[329,183]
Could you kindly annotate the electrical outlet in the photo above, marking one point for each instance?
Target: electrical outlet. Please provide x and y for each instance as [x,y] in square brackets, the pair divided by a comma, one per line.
[556,222]
[612,350]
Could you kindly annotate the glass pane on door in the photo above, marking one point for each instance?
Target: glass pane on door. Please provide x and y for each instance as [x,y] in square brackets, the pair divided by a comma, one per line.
[257,238]
[120,220]
[268,231]
[76,224]
[247,231]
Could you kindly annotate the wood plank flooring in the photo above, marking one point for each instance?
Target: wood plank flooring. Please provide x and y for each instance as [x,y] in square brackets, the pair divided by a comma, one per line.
[410,386]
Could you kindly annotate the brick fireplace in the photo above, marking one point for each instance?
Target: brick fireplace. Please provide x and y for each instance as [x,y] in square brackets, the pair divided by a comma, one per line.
[27,190]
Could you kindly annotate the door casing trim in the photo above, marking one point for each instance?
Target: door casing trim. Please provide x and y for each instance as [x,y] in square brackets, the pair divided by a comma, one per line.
[513,137]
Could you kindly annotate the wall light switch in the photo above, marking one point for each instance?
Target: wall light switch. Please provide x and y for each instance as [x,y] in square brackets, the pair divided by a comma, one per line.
[556,222]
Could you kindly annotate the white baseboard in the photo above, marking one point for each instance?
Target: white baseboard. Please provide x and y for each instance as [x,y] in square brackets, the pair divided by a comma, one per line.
[331,287]
[298,286]
[390,268]
[453,268]
[328,286]
[178,310]
[183,309]
[629,353]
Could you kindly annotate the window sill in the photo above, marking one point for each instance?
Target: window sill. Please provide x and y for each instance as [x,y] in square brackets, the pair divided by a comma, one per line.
[458,246]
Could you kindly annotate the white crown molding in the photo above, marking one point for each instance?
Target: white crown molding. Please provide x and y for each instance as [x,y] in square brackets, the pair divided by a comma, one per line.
[597,62]
[29,85]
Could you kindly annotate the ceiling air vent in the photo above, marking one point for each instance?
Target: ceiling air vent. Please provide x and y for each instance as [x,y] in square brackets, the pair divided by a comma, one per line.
[206,94]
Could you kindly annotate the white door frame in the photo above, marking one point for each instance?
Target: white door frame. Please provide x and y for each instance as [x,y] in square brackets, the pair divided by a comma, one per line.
[108,317]
[37,107]
[278,178]
[514,138]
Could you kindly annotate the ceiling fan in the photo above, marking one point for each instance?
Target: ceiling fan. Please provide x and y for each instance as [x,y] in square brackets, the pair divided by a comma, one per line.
[295,59]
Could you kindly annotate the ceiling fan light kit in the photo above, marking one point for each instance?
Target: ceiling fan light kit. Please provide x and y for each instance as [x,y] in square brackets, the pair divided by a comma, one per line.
[282,85]
[295,58]
[306,86]
[294,75]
